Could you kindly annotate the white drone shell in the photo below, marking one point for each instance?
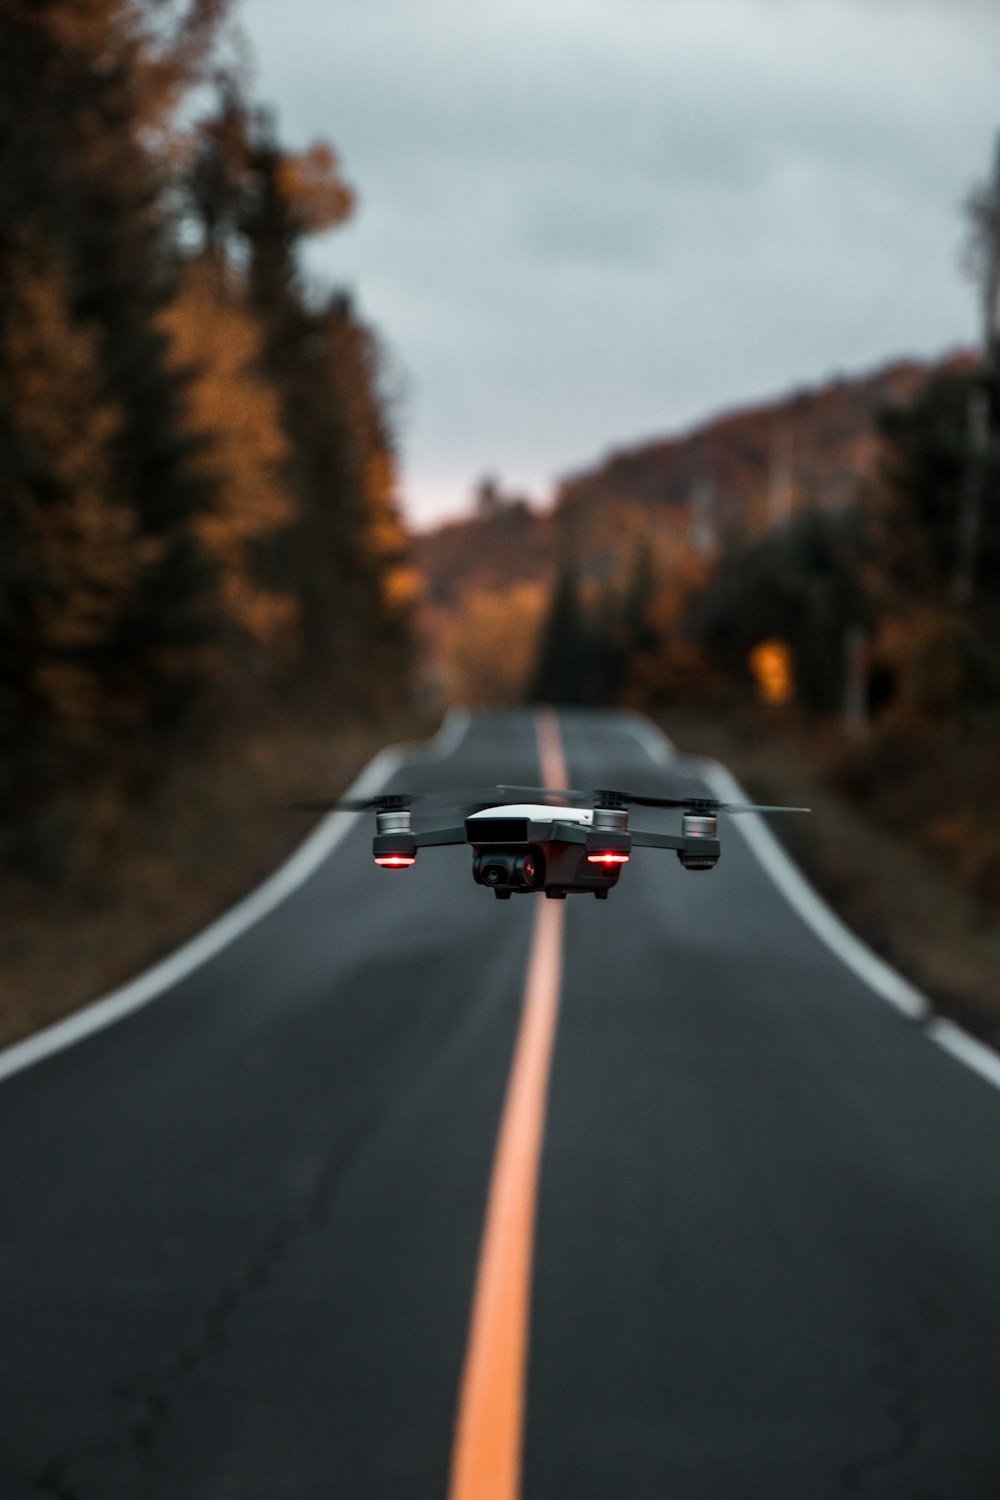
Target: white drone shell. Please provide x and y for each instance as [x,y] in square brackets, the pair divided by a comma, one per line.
[537,812]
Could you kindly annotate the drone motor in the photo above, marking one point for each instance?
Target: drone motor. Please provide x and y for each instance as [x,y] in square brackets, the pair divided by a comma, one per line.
[701,824]
[394,847]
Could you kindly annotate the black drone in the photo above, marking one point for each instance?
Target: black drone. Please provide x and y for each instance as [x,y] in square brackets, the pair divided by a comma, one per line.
[557,842]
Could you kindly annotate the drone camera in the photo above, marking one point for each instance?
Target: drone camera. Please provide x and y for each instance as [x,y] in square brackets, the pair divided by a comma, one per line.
[508,870]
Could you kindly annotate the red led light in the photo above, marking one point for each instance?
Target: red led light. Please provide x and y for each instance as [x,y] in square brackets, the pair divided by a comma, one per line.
[395,861]
[608,857]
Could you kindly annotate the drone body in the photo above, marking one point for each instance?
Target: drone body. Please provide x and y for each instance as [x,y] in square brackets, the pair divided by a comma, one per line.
[530,847]
[554,844]
[534,847]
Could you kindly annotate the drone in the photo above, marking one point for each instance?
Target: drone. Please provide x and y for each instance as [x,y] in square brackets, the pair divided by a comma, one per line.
[538,840]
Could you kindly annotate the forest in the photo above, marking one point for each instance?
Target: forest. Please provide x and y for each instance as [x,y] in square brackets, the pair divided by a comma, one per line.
[208,600]
[203,565]
[809,588]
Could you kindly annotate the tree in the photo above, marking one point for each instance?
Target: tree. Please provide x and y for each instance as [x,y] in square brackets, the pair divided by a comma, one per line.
[104,622]
[983,254]
[216,342]
[801,585]
[342,554]
[565,664]
[944,652]
[923,468]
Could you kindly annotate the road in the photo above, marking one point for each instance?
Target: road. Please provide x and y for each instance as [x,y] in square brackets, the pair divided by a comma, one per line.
[243,1228]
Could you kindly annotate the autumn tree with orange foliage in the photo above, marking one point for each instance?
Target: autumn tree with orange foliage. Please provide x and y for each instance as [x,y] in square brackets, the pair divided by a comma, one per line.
[103,623]
[341,556]
[79,556]
[484,644]
[197,480]
[217,343]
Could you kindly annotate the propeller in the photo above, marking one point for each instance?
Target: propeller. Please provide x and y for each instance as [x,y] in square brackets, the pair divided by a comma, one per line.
[470,799]
[462,799]
[542,793]
[692,804]
[397,801]
[609,797]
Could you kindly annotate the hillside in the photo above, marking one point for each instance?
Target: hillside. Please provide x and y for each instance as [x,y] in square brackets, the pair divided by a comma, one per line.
[485,579]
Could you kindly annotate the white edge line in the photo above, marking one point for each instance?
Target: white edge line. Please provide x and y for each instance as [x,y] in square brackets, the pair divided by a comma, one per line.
[295,871]
[810,906]
[968,1049]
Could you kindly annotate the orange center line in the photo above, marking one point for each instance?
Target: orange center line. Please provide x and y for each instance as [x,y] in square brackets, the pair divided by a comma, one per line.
[486,1456]
[551,755]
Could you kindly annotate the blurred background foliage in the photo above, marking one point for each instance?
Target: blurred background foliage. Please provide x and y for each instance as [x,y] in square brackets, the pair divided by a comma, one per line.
[200,524]
[207,597]
[828,565]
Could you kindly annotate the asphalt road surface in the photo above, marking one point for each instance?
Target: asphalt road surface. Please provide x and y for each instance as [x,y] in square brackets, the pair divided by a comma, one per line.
[242,1228]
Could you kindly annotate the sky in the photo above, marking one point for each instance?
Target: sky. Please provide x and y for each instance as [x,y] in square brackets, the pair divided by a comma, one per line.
[583,223]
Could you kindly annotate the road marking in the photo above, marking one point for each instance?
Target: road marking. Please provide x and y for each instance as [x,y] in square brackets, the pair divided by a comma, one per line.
[792,884]
[811,907]
[968,1049]
[879,976]
[551,756]
[486,1457]
[296,870]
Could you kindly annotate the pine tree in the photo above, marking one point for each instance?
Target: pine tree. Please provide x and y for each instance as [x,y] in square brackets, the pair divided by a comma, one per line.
[564,668]
[945,654]
[101,621]
[802,585]
[216,341]
[343,554]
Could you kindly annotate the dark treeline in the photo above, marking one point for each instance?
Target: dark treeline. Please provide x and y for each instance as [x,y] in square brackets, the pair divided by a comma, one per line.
[197,517]
[873,625]
[911,571]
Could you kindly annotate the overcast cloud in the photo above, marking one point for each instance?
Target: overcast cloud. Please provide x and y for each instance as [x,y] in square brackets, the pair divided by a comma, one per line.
[587,221]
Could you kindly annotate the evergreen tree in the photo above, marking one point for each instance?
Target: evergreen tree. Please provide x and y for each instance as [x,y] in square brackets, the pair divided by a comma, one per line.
[102,620]
[626,635]
[944,652]
[236,413]
[342,555]
[925,461]
[197,480]
[803,585]
[565,666]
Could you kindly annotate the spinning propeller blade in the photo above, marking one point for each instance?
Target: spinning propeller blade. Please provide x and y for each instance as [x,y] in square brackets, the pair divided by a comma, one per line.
[539,793]
[384,803]
[694,803]
[472,799]
[462,799]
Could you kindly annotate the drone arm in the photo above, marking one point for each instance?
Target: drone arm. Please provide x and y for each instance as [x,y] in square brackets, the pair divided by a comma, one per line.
[641,838]
[657,840]
[429,837]
[569,833]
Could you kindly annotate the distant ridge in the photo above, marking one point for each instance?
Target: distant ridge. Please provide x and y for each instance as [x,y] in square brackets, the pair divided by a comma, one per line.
[816,446]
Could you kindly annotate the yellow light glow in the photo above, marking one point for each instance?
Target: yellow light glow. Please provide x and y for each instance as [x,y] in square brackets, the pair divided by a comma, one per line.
[774,678]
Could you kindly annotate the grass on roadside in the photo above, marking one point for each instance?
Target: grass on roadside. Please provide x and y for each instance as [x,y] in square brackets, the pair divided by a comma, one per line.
[895,895]
[212,832]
